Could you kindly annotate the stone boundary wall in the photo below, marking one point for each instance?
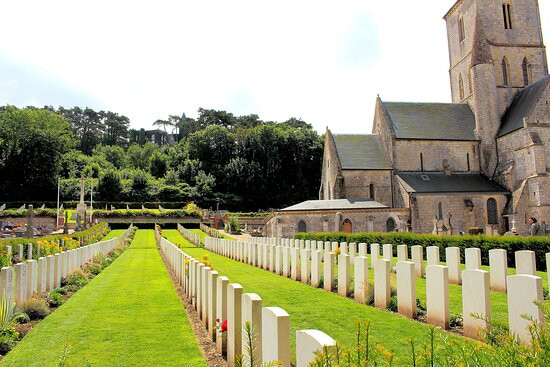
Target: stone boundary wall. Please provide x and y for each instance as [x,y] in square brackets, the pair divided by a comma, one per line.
[20,281]
[301,260]
[215,298]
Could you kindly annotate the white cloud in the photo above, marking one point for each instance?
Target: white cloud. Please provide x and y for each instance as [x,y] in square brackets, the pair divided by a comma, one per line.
[323,61]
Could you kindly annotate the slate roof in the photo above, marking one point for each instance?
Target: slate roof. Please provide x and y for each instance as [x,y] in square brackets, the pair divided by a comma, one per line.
[338,204]
[521,106]
[442,183]
[431,121]
[361,152]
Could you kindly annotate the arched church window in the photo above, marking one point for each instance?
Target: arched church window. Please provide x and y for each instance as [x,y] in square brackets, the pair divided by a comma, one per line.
[492,213]
[525,69]
[505,79]
[371,191]
[461,34]
[302,226]
[390,225]
[440,210]
[461,86]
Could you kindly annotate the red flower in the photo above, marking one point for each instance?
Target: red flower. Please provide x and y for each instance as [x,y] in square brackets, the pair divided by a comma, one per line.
[224,326]
[218,319]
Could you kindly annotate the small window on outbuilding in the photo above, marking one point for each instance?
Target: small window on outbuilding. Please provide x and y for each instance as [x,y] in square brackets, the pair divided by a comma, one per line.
[302,226]
[492,212]
[371,191]
[390,225]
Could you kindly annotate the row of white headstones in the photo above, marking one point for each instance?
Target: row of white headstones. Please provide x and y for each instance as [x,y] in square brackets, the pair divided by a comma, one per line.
[216,299]
[22,280]
[302,260]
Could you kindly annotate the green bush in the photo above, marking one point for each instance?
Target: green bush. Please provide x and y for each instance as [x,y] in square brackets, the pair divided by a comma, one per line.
[55,299]
[35,308]
[8,338]
[62,291]
[94,268]
[76,280]
[539,244]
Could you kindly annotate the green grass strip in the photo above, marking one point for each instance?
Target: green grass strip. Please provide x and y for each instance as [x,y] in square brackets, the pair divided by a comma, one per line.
[313,308]
[129,315]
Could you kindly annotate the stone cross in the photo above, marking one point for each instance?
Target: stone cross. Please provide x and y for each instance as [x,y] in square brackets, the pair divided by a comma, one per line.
[82,189]
[29,233]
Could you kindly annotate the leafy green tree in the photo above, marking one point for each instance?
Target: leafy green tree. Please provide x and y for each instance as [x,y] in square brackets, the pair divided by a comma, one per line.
[110,186]
[158,164]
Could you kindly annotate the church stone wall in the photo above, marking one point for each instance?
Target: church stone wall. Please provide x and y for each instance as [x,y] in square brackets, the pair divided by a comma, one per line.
[407,156]
[381,127]
[331,172]
[425,209]
[357,182]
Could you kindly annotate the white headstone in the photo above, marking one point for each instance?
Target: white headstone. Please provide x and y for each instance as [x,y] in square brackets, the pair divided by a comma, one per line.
[276,335]
[308,342]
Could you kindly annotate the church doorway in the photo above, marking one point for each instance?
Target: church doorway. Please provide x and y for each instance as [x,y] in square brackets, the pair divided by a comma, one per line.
[390,225]
[302,227]
[347,227]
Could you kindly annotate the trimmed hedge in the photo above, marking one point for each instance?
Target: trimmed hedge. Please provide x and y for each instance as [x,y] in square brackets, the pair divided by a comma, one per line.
[98,204]
[539,244]
[168,213]
[14,213]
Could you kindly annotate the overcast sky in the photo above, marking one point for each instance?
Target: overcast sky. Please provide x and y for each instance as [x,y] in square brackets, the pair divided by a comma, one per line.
[322,61]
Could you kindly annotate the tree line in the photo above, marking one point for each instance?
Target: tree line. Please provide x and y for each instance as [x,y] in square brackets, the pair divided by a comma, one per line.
[240,162]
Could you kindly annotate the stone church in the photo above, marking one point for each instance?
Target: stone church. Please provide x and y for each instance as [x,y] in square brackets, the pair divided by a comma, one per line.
[477,165]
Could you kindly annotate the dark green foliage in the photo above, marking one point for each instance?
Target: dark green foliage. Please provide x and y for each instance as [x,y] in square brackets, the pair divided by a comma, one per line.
[76,280]
[55,299]
[8,338]
[540,245]
[94,268]
[35,308]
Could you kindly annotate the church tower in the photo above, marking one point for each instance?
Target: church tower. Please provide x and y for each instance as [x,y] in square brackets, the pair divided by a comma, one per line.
[495,49]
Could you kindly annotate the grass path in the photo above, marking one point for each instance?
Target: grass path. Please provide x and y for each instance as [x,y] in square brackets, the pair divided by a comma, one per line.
[129,315]
[313,308]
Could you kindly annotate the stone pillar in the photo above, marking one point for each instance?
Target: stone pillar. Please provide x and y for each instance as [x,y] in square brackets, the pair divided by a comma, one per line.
[406,289]
[361,278]
[526,262]
[382,271]
[42,272]
[57,271]
[295,268]
[308,342]
[32,266]
[305,266]
[352,252]
[452,256]
[278,260]
[21,254]
[387,251]
[276,335]
[437,295]
[315,268]
[475,301]
[432,255]
[343,275]
[523,291]
[417,256]
[212,304]
[286,261]
[402,253]
[363,249]
[50,273]
[374,254]
[234,322]
[205,275]
[7,275]
[498,268]
[473,258]
[329,271]
[29,252]
[221,312]
[252,313]
[21,281]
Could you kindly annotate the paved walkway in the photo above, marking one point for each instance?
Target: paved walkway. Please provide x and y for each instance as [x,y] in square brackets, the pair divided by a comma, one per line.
[129,315]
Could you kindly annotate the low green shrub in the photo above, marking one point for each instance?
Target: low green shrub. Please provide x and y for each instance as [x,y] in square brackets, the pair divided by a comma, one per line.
[539,244]
[8,338]
[62,291]
[35,308]
[94,268]
[55,299]
[76,280]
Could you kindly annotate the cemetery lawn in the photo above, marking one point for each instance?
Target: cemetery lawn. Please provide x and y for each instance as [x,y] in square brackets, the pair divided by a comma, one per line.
[313,308]
[129,315]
